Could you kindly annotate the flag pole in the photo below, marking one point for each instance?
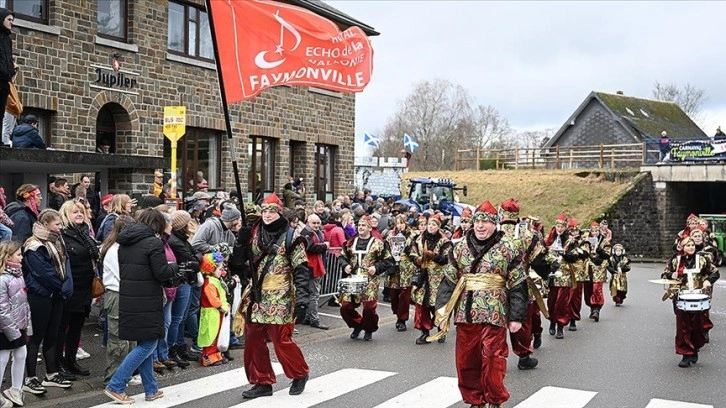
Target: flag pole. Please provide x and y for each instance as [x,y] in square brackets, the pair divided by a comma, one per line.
[225,108]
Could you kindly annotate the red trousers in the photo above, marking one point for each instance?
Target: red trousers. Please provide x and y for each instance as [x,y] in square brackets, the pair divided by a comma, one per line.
[597,299]
[537,322]
[368,322]
[689,332]
[522,339]
[257,356]
[481,363]
[707,323]
[558,304]
[575,304]
[423,318]
[400,302]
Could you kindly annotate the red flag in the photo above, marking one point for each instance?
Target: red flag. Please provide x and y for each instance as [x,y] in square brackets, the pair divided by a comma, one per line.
[266,43]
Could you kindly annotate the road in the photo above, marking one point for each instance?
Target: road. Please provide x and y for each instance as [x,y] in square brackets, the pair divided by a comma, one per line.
[625,360]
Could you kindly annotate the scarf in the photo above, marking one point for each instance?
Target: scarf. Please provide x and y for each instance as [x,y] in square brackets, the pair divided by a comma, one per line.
[32,202]
[13,268]
[53,242]
[271,233]
[82,233]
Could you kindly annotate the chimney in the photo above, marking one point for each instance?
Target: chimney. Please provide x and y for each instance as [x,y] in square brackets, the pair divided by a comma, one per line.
[619,92]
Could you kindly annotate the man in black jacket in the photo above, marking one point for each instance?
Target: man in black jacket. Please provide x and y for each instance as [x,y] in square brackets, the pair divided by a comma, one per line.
[7,69]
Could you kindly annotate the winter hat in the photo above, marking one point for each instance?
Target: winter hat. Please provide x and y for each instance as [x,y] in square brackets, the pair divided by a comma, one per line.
[210,262]
[106,199]
[509,210]
[486,212]
[272,202]
[620,247]
[180,219]
[230,213]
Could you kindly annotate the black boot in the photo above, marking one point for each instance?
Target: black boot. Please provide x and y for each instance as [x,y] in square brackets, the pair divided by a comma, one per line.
[65,373]
[705,337]
[552,328]
[596,315]
[527,363]
[368,336]
[401,326]
[537,342]
[559,334]
[174,356]
[694,358]
[227,356]
[685,362]
[422,337]
[442,339]
[75,369]
[573,325]
[186,354]
[592,313]
[355,334]
[258,390]
[298,386]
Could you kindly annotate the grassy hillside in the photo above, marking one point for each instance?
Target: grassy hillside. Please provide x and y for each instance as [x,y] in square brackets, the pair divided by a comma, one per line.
[543,193]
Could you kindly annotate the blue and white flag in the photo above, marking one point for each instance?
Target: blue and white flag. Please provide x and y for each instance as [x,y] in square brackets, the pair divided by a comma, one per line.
[371,140]
[409,143]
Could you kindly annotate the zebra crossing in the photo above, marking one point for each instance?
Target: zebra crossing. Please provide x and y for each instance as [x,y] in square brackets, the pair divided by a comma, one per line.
[441,392]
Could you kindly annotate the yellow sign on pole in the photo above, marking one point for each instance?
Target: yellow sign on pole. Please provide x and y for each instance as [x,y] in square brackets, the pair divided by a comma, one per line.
[175,125]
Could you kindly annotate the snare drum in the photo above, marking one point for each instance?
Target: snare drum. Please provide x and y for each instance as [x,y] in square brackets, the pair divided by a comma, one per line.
[693,301]
[355,285]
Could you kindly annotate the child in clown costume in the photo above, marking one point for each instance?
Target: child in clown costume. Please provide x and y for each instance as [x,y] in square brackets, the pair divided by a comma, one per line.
[213,306]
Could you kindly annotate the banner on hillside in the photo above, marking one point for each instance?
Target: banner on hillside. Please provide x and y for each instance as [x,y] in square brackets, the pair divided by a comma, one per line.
[698,151]
[265,43]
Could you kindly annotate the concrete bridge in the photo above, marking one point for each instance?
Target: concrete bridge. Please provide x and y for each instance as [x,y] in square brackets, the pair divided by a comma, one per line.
[650,214]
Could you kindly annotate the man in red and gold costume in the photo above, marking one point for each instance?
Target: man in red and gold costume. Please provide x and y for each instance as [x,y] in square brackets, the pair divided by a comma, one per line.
[535,255]
[565,248]
[276,297]
[367,256]
[486,291]
[398,279]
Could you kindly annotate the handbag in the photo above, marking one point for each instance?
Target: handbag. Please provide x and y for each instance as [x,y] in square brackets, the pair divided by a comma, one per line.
[97,287]
[14,106]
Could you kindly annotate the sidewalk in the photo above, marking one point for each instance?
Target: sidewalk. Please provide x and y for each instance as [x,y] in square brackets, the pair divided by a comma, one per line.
[91,338]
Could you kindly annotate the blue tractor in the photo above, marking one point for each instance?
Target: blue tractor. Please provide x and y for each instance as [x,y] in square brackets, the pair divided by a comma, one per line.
[435,193]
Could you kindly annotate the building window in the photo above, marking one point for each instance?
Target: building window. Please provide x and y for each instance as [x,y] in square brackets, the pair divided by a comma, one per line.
[189,32]
[111,17]
[31,10]
[261,152]
[198,159]
[324,159]
[43,122]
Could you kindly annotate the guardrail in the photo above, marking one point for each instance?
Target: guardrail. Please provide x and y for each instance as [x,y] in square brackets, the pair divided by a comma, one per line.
[333,273]
[557,157]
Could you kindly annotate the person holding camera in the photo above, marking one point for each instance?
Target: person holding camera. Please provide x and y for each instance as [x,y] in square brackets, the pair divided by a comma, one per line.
[291,194]
[279,295]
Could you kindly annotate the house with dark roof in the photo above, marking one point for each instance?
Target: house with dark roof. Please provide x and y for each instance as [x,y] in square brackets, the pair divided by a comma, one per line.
[605,118]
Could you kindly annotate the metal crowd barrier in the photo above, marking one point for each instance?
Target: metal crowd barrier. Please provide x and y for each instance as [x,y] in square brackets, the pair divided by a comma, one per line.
[333,273]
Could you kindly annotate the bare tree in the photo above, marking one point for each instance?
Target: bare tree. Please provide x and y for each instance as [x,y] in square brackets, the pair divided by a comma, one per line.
[689,98]
[488,127]
[535,138]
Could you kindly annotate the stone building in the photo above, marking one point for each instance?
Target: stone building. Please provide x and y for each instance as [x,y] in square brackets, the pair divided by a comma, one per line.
[96,72]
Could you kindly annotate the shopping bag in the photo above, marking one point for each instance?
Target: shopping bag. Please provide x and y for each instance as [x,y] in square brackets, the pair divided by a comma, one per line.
[223,337]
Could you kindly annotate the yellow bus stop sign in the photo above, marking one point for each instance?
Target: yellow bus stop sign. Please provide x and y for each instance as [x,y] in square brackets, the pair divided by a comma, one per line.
[175,122]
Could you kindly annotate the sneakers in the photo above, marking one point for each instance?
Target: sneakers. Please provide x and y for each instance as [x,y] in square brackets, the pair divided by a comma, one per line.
[56,380]
[5,403]
[14,395]
[33,386]
[82,354]
[119,398]
[155,396]
[135,380]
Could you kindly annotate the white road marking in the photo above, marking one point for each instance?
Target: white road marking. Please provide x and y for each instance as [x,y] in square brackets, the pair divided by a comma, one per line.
[192,390]
[441,392]
[320,389]
[555,397]
[659,403]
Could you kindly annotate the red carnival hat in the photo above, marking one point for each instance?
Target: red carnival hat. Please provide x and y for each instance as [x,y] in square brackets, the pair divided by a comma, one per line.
[486,212]
[366,219]
[509,210]
[272,202]
[466,214]
[561,219]
[435,217]
[572,223]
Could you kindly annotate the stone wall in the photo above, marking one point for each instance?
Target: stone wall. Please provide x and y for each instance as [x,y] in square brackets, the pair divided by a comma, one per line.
[381,175]
[57,71]
[635,219]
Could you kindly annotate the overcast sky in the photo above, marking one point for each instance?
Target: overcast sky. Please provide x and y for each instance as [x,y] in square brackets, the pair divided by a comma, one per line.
[537,61]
